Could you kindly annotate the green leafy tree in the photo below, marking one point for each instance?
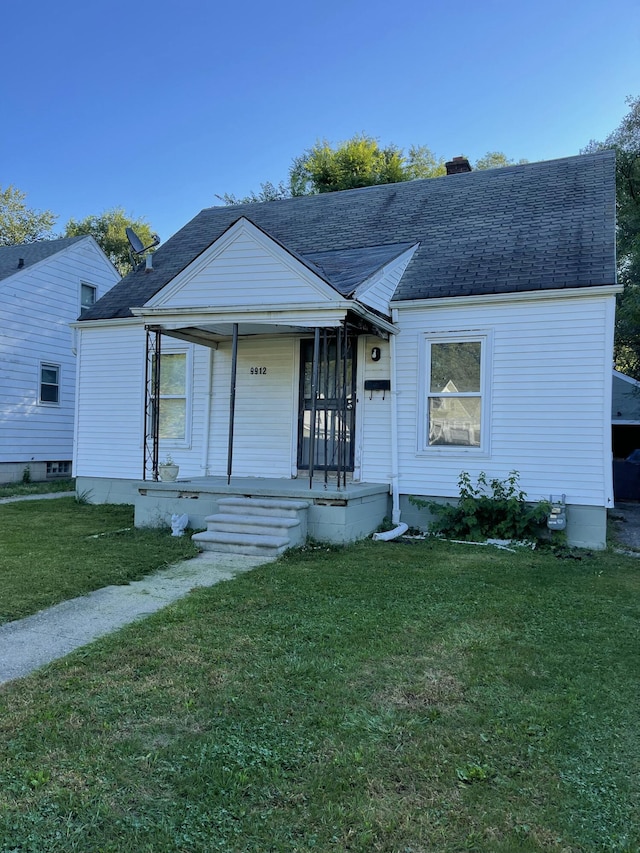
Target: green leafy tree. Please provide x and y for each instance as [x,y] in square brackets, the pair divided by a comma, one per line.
[625,140]
[22,224]
[359,162]
[109,231]
[268,192]
[496,160]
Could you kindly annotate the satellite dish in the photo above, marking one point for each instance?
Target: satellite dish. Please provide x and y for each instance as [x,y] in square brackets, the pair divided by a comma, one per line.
[136,243]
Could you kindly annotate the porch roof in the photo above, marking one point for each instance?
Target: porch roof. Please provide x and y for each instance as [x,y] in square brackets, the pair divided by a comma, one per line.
[209,327]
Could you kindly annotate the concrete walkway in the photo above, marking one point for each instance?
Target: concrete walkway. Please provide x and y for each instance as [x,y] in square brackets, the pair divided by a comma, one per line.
[27,644]
[47,496]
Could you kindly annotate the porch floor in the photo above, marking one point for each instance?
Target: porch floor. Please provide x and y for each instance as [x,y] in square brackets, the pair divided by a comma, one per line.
[334,514]
[268,487]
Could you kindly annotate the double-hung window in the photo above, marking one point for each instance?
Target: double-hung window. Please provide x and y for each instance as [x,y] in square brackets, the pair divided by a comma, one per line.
[49,384]
[456,393]
[174,389]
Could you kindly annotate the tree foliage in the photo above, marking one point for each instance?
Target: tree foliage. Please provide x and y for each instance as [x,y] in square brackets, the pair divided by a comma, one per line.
[496,160]
[109,231]
[268,192]
[625,140]
[358,162]
[22,224]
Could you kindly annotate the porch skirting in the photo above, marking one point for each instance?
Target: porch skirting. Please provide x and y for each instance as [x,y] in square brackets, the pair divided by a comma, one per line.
[334,515]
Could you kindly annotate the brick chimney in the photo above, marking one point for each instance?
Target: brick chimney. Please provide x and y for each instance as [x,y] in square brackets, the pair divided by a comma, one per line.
[457,166]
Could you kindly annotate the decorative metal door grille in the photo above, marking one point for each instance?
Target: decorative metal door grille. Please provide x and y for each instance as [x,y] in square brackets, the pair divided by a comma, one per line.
[326,419]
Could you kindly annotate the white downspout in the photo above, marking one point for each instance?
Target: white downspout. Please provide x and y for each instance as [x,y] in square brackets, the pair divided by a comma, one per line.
[395,512]
[400,527]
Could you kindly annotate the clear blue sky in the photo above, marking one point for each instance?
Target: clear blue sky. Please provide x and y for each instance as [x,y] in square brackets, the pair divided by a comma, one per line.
[157,106]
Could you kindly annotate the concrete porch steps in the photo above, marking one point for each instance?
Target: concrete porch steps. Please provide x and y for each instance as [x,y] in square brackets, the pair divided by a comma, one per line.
[255,526]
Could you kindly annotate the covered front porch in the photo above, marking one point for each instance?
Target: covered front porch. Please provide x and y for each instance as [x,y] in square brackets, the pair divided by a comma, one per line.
[334,513]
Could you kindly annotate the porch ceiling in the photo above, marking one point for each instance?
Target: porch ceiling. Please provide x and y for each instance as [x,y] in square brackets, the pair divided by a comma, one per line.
[212,335]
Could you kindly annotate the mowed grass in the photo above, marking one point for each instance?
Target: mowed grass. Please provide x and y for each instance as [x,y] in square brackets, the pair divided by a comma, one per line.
[400,697]
[53,550]
[8,490]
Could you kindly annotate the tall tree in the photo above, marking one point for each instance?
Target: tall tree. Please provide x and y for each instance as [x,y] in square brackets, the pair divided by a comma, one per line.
[625,140]
[109,231]
[496,160]
[358,162]
[22,224]
[267,192]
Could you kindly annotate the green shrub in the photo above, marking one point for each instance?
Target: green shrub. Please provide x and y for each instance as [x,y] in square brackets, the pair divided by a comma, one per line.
[490,509]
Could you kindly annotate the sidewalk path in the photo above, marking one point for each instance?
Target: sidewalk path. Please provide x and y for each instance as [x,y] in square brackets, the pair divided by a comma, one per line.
[27,644]
[44,497]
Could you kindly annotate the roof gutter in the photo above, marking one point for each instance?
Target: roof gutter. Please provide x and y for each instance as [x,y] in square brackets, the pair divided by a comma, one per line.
[586,292]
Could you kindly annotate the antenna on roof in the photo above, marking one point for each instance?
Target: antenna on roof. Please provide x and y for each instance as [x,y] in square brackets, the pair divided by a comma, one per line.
[137,248]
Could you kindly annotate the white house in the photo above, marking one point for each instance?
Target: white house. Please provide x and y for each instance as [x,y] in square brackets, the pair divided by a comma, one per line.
[44,286]
[348,350]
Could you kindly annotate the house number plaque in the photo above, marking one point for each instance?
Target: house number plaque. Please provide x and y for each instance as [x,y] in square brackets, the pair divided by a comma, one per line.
[258,371]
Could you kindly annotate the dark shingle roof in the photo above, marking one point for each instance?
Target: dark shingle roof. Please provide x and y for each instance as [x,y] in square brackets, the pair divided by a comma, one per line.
[345,269]
[537,226]
[31,253]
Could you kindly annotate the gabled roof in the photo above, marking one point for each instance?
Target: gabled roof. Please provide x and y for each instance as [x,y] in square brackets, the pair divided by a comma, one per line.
[537,226]
[31,253]
[345,269]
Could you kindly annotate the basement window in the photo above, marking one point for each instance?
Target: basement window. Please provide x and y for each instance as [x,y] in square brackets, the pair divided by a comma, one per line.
[58,469]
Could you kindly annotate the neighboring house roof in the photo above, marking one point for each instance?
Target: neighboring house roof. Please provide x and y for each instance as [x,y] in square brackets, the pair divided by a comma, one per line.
[625,399]
[537,226]
[31,253]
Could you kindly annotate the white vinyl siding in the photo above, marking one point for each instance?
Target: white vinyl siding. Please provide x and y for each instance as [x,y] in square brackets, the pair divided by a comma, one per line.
[37,304]
[265,408]
[373,414]
[110,431]
[111,401]
[246,270]
[549,413]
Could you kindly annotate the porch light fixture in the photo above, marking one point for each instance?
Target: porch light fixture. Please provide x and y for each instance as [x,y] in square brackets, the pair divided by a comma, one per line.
[375,354]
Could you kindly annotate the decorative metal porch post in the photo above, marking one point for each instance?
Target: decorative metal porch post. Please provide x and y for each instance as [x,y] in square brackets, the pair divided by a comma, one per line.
[314,396]
[151,402]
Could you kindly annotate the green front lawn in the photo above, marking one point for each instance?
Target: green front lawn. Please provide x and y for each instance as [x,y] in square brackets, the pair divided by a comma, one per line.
[10,490]
[400,697]
[53,550]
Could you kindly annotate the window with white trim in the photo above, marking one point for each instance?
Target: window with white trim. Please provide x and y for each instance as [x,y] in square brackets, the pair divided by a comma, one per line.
[174,391]
[87,296]
[455,401]
[49,393]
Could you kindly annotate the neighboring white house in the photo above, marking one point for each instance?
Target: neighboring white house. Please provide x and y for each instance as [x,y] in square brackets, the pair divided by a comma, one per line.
[353,349]
[625,434]
[44,286]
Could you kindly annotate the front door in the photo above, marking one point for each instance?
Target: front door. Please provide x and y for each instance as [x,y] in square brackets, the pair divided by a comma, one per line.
[335,404]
